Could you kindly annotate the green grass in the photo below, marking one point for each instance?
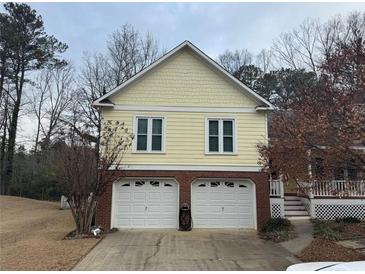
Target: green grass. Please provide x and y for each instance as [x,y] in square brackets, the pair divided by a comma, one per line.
[277,230]
[328,230]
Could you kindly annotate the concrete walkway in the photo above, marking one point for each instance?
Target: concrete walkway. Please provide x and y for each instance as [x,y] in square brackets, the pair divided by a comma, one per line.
[194,250]
[357,243]
[304,232]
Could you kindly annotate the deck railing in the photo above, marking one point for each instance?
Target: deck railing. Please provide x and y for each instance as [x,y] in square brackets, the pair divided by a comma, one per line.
[276,188]
[333,188]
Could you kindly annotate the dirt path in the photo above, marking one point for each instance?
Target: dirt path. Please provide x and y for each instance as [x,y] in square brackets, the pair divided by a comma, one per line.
[31,235]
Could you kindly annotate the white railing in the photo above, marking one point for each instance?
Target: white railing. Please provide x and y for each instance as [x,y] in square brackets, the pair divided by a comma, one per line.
[276,188]
[341,188]
[333,188]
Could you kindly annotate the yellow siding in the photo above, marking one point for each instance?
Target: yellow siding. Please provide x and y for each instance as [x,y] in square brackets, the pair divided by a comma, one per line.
[184,80]
[185,138]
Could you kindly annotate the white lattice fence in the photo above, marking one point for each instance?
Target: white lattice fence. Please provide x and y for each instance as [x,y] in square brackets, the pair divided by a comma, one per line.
[277,207]
[327,209]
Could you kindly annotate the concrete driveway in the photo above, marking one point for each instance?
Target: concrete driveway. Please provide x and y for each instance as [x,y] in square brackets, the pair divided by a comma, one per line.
[195,250]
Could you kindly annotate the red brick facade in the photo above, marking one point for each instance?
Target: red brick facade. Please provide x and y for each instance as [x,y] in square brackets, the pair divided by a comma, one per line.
[185,179]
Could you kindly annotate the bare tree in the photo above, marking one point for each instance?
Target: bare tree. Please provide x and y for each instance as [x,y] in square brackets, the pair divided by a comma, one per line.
[50,100]
[129,52]
[329,34]
[313,42]
[39,97]
[233,61]
[83,174]
[263,60]
[285,51]
[306,36]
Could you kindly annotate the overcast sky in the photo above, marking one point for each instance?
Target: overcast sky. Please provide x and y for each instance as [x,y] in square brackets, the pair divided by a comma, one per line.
[213,27]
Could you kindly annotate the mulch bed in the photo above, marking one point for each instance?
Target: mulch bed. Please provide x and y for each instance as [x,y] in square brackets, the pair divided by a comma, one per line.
[321,250]
[351,231]
[72,236]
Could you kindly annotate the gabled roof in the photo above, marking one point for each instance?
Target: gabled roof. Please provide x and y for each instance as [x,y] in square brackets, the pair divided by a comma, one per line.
[104,101]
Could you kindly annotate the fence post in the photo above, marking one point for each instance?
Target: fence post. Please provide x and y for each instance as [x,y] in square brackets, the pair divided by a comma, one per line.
[281,188]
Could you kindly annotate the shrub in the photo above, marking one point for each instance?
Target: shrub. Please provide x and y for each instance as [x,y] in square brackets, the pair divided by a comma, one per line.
[348,220]
[327,230]
[277,230]
[276,224]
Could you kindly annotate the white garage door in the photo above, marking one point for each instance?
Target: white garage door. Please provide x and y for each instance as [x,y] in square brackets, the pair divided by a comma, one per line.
[223,204]
[145,203]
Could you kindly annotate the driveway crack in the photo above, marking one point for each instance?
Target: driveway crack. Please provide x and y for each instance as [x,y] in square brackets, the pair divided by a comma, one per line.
[237,265]
[158,247]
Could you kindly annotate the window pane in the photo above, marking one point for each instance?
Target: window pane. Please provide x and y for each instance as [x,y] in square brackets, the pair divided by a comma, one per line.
[142,126]
[141,142]
[213,127]
[228,144]
[228,128]
[213,144]
[156,142]
[156,126]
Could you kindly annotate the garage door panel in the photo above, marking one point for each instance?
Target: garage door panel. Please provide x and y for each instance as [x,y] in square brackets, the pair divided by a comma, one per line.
[244,210]
[124,208]
[243,196]
[145,203]
[137,222]
[229,196]
[124,196]
[139,196]
[124,222]
[169,209]
[227,205]
[168,197]
[154,198]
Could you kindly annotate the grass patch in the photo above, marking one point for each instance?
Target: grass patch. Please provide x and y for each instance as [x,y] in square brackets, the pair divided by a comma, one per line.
[348,220]
[277,230]
[328,230]
[341,229]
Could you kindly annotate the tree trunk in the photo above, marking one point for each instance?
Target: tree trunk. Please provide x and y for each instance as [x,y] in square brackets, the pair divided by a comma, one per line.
[82,209]
[2,151]
[12,133]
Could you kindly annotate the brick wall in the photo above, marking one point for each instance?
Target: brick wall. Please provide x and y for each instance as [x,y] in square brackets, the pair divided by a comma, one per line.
[185,178]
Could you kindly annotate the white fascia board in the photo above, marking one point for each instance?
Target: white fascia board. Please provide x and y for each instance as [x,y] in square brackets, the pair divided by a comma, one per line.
[103,104]
[189,167]
[264,108]
[201,54]
[120,107]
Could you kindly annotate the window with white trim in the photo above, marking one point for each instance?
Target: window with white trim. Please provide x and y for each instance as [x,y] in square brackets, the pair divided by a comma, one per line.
[220,135]
[149,134]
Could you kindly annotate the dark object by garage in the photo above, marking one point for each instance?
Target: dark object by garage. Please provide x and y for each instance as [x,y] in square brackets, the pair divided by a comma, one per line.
[185,217]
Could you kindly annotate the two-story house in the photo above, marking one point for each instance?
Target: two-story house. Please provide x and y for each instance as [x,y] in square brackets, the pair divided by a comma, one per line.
[196,133]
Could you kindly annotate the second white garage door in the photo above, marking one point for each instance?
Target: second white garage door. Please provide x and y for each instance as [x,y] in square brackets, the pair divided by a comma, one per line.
[145,203]
[223,204]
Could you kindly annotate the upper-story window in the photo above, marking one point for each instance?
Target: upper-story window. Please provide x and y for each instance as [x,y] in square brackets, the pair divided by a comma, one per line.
[220,136]
[149,134]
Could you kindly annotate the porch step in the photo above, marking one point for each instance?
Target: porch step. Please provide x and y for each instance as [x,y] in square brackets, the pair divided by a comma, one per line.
[293,203]
[295,213]
[290,218]
[295,207]
[291,198]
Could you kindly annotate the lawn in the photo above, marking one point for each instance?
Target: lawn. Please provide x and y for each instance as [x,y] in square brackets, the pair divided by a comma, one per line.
[31,236]
[325,247]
